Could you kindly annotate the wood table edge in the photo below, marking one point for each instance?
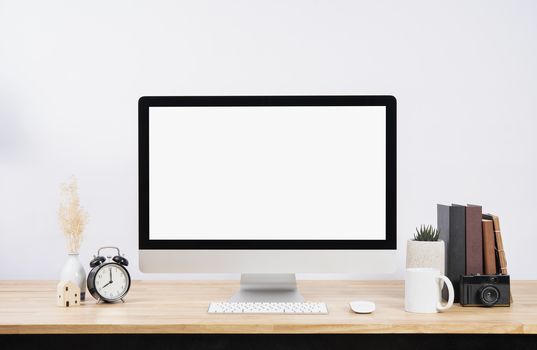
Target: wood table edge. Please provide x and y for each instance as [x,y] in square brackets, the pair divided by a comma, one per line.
[505,328]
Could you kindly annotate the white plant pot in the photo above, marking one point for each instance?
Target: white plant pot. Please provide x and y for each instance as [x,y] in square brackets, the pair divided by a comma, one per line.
[74,271]
[425,254]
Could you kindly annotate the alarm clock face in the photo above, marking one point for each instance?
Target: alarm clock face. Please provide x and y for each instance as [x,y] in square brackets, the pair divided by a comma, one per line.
[112,282]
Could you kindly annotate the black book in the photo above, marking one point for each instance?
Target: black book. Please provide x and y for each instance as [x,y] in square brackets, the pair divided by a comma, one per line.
[452,226]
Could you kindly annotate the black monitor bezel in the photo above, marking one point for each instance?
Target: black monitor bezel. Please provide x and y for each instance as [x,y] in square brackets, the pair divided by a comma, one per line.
[209,101]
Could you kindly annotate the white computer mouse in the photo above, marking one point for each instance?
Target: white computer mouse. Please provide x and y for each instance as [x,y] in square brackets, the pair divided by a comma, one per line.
[362,307]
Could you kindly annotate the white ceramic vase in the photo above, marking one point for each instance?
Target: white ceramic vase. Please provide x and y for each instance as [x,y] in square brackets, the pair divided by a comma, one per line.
[74,271]
[425,254]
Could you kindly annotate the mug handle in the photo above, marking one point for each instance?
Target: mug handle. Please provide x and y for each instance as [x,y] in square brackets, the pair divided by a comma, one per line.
[451,294]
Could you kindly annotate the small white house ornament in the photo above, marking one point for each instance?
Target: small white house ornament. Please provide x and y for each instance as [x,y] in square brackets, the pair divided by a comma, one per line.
[68,294]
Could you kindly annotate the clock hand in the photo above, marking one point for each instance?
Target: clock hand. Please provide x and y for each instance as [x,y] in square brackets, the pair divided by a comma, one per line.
[106,284]
[110,275]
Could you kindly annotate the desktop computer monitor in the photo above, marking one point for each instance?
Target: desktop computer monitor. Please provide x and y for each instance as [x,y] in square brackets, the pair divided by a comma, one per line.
[267,184]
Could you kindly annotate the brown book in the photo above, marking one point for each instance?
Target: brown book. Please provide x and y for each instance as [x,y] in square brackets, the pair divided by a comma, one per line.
[474,240]
[499,245]
[489,248]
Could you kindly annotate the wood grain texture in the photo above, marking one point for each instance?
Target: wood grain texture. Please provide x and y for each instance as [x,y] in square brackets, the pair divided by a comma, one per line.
[181,307]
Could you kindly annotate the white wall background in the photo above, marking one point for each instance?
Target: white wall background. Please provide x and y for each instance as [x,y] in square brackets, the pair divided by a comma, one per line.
[71,72]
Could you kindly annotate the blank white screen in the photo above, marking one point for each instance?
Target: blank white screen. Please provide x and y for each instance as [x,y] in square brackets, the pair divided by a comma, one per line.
[267,172]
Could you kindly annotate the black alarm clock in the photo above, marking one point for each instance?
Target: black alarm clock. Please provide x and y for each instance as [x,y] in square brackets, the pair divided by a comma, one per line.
[109,280]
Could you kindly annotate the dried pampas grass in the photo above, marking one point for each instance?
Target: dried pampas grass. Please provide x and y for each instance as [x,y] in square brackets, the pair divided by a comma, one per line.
[72,217]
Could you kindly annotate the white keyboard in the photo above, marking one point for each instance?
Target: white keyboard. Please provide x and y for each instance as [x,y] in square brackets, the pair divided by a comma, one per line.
[267,308]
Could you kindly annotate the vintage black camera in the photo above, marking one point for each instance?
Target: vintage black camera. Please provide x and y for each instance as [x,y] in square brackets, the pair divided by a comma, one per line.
[485,290]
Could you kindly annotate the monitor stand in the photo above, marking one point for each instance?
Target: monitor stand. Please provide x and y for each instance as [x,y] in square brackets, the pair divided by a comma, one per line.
[267,287]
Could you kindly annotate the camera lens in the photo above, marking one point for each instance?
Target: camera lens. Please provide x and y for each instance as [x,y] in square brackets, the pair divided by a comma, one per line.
[489,295]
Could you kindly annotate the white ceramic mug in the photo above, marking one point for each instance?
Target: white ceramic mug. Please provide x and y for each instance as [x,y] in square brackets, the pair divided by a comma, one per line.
[423,290]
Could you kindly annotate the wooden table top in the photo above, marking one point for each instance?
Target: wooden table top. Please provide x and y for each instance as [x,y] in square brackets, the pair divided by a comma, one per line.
[181,307]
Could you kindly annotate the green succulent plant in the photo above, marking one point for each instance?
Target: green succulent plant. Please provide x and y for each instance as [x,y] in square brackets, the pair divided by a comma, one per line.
[426,233]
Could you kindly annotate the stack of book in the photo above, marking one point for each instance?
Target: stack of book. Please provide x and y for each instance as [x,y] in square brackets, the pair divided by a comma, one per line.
[473,242]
